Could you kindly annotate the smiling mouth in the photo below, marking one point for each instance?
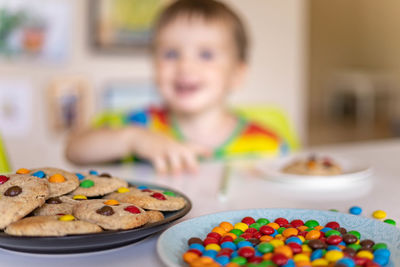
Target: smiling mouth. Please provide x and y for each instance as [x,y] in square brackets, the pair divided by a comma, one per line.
[182,89]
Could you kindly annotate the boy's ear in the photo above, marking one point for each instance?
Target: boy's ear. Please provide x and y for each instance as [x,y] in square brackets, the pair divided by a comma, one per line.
[239,75]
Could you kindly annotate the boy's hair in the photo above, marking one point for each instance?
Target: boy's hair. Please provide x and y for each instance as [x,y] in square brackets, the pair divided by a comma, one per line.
[209,10]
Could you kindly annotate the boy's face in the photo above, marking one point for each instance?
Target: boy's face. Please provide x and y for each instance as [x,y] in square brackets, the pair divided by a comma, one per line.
[196,64]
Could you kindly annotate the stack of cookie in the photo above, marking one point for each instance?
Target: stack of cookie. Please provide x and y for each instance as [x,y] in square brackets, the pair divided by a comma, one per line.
[54,202]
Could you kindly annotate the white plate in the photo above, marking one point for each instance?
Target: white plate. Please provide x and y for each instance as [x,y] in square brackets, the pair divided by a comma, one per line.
[354,172]
[173,242]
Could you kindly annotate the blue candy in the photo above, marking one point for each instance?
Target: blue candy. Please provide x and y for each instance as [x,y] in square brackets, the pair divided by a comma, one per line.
[197,246]
[234,254]
[355,210]
[347,262]
[382,252]
[294,239]
[80,176]
[381,260]
[39,174]
[274,233]
[332,247]
[210,253]
[326,229]
[223,260]
[141,187]
[317,254]
[289,263]
[244,244]
[92,172]
[230,245]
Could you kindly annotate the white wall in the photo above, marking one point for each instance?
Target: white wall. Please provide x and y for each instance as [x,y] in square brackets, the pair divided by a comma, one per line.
[278,31]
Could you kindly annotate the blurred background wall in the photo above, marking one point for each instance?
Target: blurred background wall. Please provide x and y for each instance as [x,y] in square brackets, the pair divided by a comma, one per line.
[277,76]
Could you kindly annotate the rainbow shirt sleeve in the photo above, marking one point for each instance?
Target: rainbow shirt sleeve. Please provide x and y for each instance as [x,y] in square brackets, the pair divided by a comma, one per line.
[249,139]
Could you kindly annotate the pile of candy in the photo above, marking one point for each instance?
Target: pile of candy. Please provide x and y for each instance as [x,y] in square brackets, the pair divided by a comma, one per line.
[283,243]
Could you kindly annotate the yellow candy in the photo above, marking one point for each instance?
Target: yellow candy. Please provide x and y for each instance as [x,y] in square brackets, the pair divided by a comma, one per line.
[79,197]
[66,218]
[365,254]
[241,226]
[226,226]
[379,214]
[23,171]
[319,262]
[333,255]
[276,243]
[301,238]
[123,190]
[111,202]
[306,248]
[213,247]
[300,257]
[57,178]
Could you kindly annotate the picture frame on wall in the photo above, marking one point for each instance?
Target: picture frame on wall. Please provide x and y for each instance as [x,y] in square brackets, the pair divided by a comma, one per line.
[69,104]
[122,26]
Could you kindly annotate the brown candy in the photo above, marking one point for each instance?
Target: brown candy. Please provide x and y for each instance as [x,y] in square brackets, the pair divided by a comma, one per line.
[342,230]
[54,200]
[105,175]
[317,244]
[366,249]
[195,240]
[254,241]
[105,210]
[13,191]
[367,243]
[349,238]
[349,252]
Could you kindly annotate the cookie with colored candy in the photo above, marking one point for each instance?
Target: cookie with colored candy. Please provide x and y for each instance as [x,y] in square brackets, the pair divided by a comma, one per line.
[58,205]
[111,214]
[60,182]
[149,199]
[51,226]
[155,216]
[20,194]
[94,184]
[313,166]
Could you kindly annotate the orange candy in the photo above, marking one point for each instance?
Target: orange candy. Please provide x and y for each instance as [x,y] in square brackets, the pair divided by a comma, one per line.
[318,228]
[219,230]
[285,250]
[266,238]
[23,171]
[274,225]
[231,235]
[313,234]
[111,202]
[57,178]
[189,257]
[290,232]
[232,264]
[302,228]
[303,264]
[267,256]
[226,226]
[280,237]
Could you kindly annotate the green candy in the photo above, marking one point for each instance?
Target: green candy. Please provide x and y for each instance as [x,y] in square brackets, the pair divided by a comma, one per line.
[355,233]
[86,183]
[333,210]
[265,248]
[309,229]
[268,263]
[239,260]
[356,247]
[379,246]
[390,221]
[281,229]
[333,232]
[263,221]
[255,225]
[311,223]
[239,239]
[237,232]
[169,193]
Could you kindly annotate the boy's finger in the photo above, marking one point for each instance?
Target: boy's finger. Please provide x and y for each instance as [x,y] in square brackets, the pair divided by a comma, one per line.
[160,165]
[200,150]
[175,162]
[189,160]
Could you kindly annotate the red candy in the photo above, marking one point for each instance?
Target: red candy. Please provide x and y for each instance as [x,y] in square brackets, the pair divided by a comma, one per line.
[3,179]
[247,252]
[334,240]
[297,223]
[251,230]
[214,235]
[132,209]
[246,236]
[198,252]
[303,233]
[225,252]
[226,238]
[255,259]
[333,225]
[281,221]
[360,261]
[210,240]
[279,259]
[248,220]
[296,248]
[146,190]
[159,196]
[266,230]
[257,235]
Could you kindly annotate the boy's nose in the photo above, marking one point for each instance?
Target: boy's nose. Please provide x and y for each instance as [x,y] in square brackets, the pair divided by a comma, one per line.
[186,65]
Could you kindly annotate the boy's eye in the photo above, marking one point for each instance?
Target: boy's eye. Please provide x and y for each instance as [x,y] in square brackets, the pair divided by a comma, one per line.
[171,54]
[206,54]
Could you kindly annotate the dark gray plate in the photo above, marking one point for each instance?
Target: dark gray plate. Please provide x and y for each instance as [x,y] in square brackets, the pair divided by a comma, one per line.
[93,242]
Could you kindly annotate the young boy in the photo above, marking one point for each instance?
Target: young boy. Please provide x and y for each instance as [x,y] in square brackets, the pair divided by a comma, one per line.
[200,57]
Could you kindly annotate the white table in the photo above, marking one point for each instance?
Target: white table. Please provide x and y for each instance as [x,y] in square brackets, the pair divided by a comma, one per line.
[244,191]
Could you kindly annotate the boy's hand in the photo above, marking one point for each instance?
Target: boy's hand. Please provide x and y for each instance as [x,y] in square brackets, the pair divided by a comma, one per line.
[166,154]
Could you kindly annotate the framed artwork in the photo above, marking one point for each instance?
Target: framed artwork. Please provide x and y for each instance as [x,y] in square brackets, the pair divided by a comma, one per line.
[35,30]
[122,25]
[68,104]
